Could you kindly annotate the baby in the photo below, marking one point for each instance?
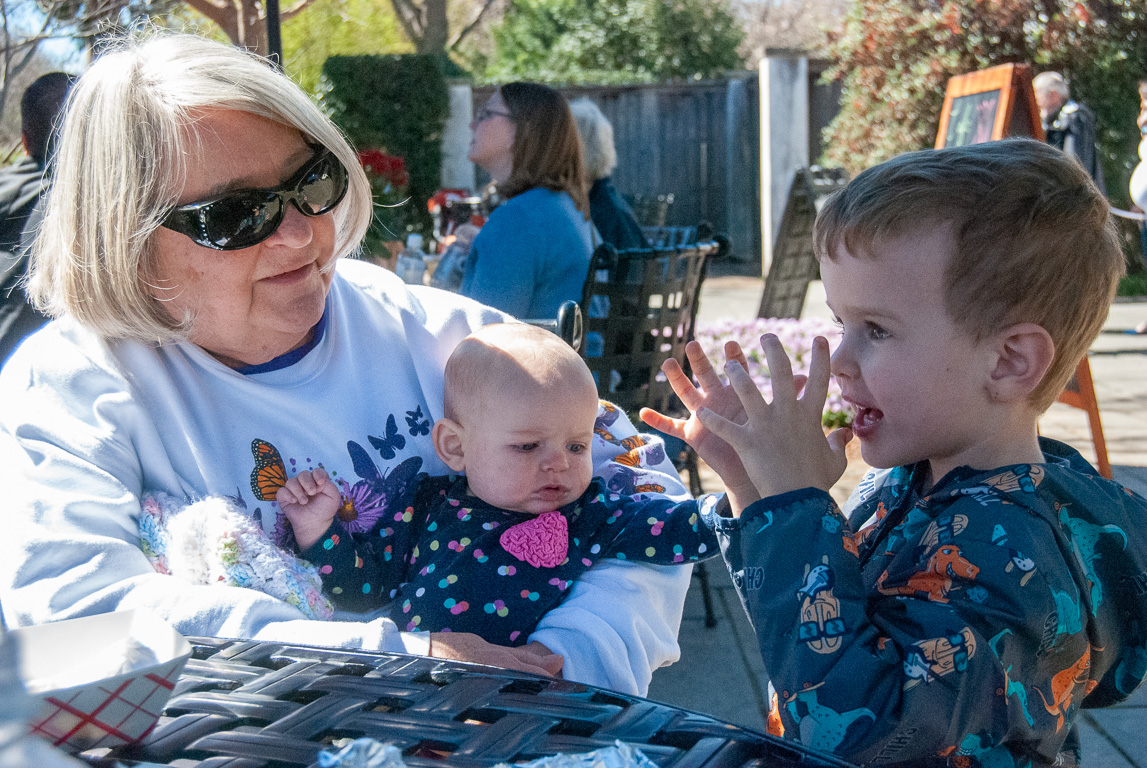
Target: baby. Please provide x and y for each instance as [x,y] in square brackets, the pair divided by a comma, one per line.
[492,549]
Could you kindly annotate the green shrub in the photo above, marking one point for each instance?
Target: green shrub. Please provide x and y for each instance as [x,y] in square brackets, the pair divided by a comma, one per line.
[894,58]
[1133,285]
[397,103]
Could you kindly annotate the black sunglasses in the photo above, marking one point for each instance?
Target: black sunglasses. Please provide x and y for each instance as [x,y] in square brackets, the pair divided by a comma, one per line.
[249,216]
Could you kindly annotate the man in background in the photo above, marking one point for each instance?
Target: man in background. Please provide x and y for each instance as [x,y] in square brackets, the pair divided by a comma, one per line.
[21,185]
[1068,125]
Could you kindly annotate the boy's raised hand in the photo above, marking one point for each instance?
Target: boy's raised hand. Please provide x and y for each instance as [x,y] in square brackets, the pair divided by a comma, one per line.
[781,444]
[719,398]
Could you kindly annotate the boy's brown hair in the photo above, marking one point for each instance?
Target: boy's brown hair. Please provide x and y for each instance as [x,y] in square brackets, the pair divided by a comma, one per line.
[547,151]
[1035,241]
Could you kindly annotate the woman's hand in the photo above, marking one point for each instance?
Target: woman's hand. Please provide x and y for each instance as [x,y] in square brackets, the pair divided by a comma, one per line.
[719,398]
[463,646]
[781,444]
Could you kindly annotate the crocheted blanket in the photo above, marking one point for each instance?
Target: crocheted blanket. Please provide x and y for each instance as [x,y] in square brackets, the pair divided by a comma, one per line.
[211,542]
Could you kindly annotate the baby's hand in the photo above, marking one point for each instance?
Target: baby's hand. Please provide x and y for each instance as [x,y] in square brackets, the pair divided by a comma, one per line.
[309,500]
[782,444]
[718,397]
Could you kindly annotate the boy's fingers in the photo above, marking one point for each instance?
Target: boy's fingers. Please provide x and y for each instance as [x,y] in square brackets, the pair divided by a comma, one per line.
[780,369]
[734,353]
[839,438]
[747,392]
[816,389]
[718,425]
[702,369]
[663,423]
[320,476]
[680,384]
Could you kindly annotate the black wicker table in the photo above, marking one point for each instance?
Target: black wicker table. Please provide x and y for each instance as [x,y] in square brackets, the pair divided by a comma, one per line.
[245,704]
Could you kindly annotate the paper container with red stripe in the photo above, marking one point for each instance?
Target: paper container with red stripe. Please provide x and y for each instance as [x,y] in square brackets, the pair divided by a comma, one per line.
[103,680]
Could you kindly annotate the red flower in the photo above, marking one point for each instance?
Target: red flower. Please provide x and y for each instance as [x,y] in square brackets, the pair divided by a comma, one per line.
[378,164]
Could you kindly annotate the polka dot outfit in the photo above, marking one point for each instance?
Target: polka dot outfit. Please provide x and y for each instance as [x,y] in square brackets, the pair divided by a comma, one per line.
[450,562]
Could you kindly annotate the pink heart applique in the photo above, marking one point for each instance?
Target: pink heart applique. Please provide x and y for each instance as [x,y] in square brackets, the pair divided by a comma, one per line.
[541,542]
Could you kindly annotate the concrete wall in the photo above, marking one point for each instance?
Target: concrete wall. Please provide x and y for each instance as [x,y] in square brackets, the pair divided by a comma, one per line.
[784,105]
[457,170]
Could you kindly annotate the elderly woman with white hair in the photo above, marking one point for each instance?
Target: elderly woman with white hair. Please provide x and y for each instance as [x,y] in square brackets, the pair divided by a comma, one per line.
[210,339]
[610,213]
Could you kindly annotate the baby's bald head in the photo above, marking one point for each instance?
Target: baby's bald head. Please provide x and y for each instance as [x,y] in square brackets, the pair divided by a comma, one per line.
[514,358]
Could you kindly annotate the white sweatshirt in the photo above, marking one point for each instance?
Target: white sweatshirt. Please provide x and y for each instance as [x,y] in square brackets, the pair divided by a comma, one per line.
[87,426]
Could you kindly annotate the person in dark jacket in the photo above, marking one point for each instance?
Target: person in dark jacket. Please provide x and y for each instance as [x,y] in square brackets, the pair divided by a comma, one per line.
[611,215]
[1067,124]
[20,188]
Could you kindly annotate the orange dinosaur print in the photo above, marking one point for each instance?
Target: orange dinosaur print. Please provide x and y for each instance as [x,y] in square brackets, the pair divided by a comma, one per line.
[935,581]
[1063,685]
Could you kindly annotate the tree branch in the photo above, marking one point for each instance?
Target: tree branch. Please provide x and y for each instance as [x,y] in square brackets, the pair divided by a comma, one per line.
[409,17]
[486,6]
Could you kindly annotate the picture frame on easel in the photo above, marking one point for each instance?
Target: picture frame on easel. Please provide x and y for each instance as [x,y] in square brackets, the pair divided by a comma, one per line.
[988,105]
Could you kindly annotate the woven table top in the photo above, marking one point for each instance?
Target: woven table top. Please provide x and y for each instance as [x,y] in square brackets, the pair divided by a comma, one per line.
[245,704]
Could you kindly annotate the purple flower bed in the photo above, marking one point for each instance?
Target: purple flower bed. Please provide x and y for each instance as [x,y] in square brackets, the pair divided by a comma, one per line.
[795,335]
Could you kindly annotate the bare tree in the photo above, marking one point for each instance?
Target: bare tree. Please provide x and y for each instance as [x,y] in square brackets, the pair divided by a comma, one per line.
[793,24]
[244,21]
[427,24]
[25,25]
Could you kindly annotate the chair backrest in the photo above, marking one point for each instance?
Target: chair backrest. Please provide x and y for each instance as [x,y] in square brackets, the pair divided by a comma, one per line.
[650,210]
[670,237]
[639,308]
[567,324]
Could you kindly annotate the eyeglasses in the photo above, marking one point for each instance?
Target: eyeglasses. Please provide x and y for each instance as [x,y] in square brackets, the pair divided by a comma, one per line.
[485,113]
[247,217]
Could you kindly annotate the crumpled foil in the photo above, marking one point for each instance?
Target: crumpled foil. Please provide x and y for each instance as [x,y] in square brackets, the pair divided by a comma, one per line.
[619,756]
[368,753]
[363,753]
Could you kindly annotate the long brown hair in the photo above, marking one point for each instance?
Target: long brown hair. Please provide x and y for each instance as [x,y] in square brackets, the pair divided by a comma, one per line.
[546,151]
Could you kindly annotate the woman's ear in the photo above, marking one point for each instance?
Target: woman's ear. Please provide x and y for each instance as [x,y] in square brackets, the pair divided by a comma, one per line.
[1025,352]
[447,438]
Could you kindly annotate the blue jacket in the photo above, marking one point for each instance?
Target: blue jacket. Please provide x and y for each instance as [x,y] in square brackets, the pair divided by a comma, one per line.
[969,622]
[532,255]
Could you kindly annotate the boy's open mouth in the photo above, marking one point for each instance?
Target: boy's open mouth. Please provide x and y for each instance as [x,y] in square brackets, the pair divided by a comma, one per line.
[866,421]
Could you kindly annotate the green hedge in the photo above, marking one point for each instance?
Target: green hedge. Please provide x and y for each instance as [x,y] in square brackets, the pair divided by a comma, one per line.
[399,103]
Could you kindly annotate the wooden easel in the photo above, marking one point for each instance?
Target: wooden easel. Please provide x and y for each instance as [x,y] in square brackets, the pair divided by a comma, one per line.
[1080,393]
[993,104]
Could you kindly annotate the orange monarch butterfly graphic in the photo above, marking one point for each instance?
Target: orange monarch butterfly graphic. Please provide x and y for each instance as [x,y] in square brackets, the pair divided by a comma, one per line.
[269,474]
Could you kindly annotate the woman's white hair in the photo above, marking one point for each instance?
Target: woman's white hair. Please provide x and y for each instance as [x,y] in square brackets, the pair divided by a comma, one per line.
[121,162]
[596,133]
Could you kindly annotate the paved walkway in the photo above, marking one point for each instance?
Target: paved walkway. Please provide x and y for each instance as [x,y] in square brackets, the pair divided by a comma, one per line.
[720,671]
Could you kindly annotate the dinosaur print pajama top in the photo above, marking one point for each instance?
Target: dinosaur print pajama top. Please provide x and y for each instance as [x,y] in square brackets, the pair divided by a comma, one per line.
[961,627]
[466,566]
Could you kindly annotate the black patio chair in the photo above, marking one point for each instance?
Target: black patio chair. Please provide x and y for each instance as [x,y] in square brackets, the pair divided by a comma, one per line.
[568,324]
[639,308]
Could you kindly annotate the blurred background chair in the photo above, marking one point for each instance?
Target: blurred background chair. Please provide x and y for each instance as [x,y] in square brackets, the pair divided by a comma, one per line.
[650,210]
[640,306]
[568,324]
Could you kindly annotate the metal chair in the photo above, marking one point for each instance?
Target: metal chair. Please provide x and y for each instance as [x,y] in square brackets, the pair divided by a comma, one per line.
[640,308]
[568,324]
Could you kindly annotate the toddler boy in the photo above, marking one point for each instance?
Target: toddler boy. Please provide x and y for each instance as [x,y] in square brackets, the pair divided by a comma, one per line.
[1001,582]
[492,550]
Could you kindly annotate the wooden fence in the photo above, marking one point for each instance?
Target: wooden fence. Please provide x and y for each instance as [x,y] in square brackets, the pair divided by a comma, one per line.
[699,141]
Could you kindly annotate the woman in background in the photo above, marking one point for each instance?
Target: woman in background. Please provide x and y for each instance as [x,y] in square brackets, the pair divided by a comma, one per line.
[610,213]
[534,252]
